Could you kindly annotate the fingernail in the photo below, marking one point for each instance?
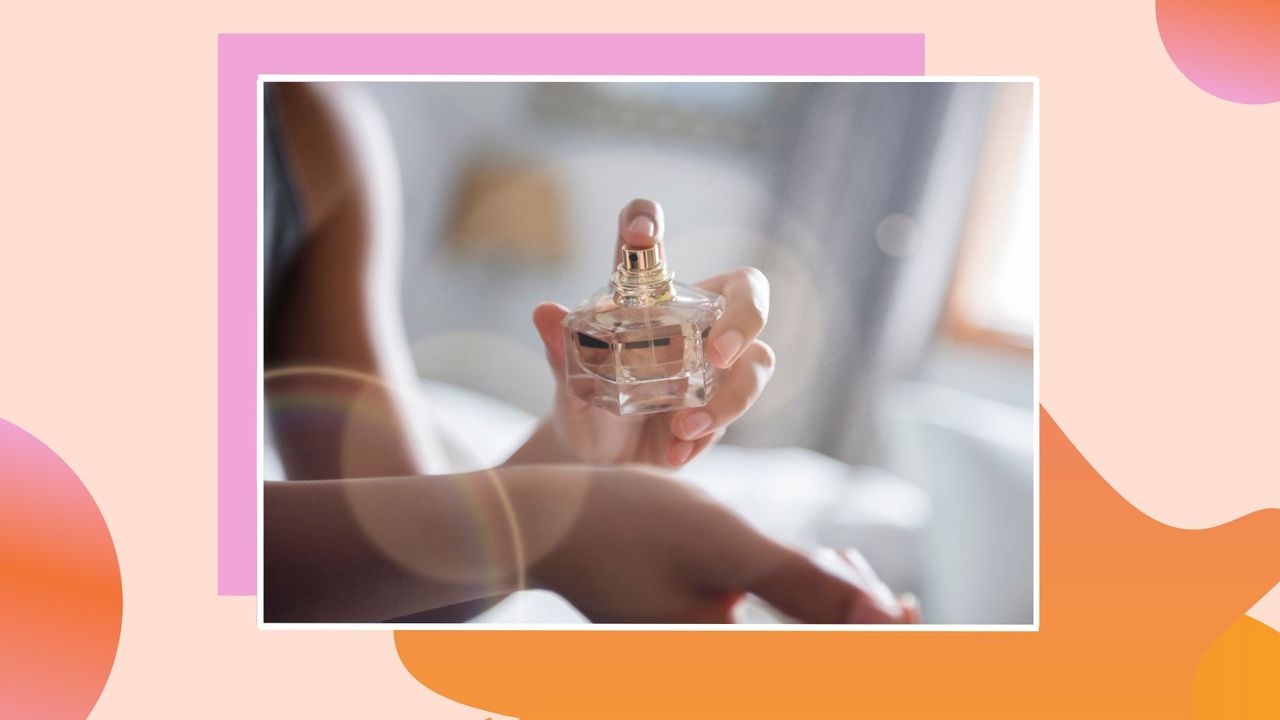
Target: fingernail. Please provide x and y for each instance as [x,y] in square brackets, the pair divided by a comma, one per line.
[728,345]
[910,607]
[680,450]
[642,225]
[696,424]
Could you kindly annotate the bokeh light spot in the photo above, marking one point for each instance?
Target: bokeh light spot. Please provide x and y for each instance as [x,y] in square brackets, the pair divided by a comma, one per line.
[897,235]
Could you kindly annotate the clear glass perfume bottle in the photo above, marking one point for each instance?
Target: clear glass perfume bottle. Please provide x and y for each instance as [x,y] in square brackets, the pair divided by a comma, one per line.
[637,345]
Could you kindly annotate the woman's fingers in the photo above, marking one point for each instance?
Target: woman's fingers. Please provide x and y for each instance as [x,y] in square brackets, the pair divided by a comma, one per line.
[640,225]
[682,451]
[850,565]
[810,594]
[546,318]
[910,608]
[736,390]
[853,566]
[746,309]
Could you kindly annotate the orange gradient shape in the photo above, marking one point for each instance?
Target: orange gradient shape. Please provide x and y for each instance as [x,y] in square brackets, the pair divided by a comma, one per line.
[1239,676]
[60,599]
[1229,48]
[1128,608]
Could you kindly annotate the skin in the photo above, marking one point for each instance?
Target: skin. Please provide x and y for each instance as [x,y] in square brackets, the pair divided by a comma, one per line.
[339,309]
[379,533]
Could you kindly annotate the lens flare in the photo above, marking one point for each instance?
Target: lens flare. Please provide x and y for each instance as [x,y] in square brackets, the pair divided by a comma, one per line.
[490,548]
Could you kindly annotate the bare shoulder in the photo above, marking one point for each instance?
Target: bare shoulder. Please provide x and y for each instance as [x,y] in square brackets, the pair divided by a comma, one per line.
[337,143]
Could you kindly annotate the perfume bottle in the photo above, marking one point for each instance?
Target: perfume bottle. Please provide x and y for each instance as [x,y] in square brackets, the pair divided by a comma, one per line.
[637,346]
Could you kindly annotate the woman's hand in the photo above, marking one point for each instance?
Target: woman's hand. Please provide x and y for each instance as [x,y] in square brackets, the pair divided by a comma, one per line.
[643,547]
[584,433]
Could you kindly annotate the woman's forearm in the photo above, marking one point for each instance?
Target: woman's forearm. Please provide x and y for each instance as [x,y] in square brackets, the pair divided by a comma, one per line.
[340,383]
[374,549]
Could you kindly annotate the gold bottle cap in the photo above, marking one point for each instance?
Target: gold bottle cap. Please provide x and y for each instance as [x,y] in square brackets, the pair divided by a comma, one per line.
[642,278]
[641,259]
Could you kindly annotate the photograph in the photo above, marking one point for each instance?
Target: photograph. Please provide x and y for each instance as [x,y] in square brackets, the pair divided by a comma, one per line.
[648,352]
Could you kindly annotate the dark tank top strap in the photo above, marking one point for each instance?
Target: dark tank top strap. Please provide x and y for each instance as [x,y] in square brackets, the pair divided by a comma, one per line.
[282,226]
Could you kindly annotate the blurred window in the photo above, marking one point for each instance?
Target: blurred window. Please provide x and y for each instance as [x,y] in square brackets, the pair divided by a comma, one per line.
[995,297]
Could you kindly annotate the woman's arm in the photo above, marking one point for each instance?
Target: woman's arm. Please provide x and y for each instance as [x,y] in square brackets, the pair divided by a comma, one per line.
[621,544]
[340,381]
[338,361]
[374,549]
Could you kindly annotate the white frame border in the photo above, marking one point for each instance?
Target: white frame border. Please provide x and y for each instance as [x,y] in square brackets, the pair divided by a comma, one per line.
[590,627]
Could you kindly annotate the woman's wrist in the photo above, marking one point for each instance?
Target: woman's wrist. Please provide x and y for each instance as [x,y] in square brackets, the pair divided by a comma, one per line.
[546,502]
[543,447]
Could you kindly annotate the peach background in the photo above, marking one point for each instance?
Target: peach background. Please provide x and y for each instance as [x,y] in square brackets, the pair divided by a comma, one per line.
[1157,291]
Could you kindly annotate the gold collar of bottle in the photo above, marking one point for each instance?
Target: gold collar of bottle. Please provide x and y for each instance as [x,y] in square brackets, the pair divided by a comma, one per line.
[643,277]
